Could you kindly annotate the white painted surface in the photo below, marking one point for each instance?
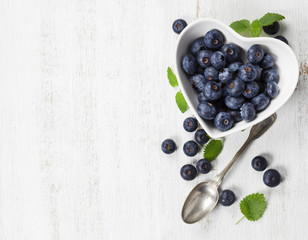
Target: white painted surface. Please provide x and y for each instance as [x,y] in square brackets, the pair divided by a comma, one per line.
[85,104]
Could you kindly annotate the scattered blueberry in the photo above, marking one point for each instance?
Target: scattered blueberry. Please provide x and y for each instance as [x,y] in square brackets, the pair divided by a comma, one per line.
[225,75]
[204,58]
[190,124]
[201,137]
[236,115]
[231,51]
[248,72]
[259,163]
[235,87]
[267,61]
[197,46]
[226,198]
[190,148]
[198,81]
[248,112]
[212,90]
[282,38]
[189,64]
[188,172]
[168,146]
[206,110]
[204,166]
[251,90]
[272,89]
[214,39]
[211,74]
[270,74]
[234,102]
[260,102]
[218,60]
[178,25]
[223,121]
[235,67]
[272,29]
[271,178]
[255,54]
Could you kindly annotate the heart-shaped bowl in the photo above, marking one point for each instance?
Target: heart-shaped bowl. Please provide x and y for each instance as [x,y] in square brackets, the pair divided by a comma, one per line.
[285,62]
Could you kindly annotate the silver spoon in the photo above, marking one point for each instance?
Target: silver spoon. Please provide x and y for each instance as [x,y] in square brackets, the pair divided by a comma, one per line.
[204,197]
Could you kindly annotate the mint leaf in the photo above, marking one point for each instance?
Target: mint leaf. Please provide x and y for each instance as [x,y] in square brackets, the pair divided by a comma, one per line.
[255,28]
[212,149]
[181,102]
[172,78]
[240,26]
[270,18]
[253,206]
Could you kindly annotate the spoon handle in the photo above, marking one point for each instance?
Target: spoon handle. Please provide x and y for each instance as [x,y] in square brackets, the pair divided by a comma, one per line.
[255,132]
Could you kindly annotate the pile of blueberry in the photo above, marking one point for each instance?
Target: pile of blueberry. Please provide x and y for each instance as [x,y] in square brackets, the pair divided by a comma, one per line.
[229,90]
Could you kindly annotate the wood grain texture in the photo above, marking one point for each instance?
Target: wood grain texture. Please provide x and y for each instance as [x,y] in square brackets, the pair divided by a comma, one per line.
[85,104]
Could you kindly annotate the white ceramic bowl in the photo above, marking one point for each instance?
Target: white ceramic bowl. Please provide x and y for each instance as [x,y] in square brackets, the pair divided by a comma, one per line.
[286,64]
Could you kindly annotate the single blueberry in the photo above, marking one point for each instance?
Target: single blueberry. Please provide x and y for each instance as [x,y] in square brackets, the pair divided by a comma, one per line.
[212,90]
[270,74]
[211,74]
[260,102]
[197,46]
[236,115]
[168,146]
[223,121]
[272,89]
[282,38]
[198,81]
[190,124]
[204,166]
[204,58]
[235,67]
[272,29]
[267,61]
[190,148]
[231,51]
[248,72]
[214,39]
[201,137]
[188,172]
[218,60]
[235,87]
[189,64]
[225,75]
[259,72]
[227,198]
[259,163]
[271,178]
[251,89]
[255,54]
[206,110]
[179,25]
[248,112]
[202,98]
[234,102]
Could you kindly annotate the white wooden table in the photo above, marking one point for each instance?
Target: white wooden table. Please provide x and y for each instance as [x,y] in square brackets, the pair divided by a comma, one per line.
[85,104]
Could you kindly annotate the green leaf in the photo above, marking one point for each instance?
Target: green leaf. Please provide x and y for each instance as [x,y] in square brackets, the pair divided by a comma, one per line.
[181,102]
[212,149]
[255,28]
[240,26]
[253,206]
[172,78]
[270,18]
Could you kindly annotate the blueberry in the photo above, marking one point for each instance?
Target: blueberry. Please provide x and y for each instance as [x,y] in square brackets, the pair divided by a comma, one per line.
[200,70]
[188,172]
[206,110]
[251,90]
[223,121]
[178,25]
[234,102]
[204,166]
[272,29]
[204,58]
[198,81]
[202,98]
[189,64]
[190,148]
[259,163]
[218,60]
[211,73]
[267,61]
[270,74]
[235,67]
[197,46]
[272,89]
[262,86]
[168,146]
[201,137]
[255,54]
[190,124]
[227,198]
[259,72]
[225,75]
[260,102]
[231,51]
[248,72]
[236,115]
[282,38]
[235,87]
[248,112]
[212,91]
[214,39]
[271,178]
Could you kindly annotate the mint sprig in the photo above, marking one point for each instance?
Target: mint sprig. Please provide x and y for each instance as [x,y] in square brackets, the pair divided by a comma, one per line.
[212,149]
[181,102]
[240,26]
[172,78]
[270,18]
